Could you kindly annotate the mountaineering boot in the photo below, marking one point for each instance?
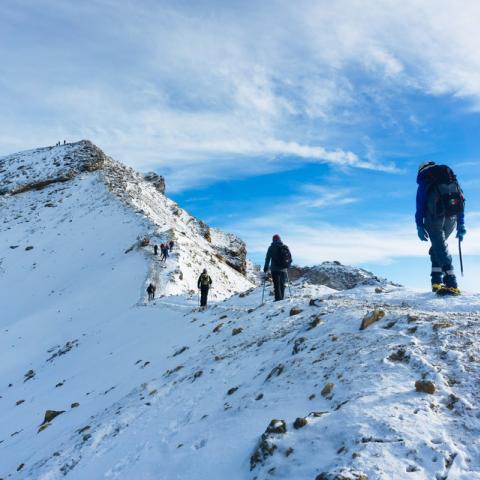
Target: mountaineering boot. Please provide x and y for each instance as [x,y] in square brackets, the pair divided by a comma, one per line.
[445,291]
[450,286]
[437,286]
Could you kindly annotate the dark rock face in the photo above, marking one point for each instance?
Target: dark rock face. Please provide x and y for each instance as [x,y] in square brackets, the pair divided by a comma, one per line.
[266,446]
[156,180]
[335,275]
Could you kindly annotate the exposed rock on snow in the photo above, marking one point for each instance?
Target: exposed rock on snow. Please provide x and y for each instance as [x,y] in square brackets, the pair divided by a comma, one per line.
[336,276]
[156,180]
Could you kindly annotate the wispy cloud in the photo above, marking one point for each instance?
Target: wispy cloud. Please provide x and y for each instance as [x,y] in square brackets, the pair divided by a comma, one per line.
[202,91]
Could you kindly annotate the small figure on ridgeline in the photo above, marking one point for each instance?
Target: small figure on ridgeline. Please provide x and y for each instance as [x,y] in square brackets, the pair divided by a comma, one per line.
[171,244]
[64,142]
[278,260]
[164,251]
[204,283]
[151,292]
[155,249]
[440,207]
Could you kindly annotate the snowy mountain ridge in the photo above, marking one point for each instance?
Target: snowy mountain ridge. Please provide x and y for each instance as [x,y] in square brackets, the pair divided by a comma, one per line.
[369,381]
[48,176]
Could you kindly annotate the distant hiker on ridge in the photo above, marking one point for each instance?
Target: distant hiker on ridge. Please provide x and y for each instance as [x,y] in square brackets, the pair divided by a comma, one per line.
[151,292]
[204,283]
[155,249]
[440,206]
[164,251]
[278,260]
[171,244]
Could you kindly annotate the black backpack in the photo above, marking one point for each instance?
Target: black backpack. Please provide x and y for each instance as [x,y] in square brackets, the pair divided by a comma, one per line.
[445,197]
[283,257]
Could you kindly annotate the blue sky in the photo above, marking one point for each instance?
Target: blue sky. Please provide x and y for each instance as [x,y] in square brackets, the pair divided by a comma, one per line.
[306,119]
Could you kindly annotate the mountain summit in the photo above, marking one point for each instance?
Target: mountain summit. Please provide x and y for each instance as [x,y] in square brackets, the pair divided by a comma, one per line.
[75,191]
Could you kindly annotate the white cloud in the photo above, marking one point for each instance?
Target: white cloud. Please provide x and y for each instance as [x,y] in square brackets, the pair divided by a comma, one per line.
[211,88]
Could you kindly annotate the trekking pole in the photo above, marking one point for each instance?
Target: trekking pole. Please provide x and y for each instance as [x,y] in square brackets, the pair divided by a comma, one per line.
[263,291]
[289,288]
[460,255]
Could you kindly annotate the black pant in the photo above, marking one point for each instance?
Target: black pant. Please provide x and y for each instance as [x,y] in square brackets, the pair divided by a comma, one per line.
[279,279]
[203,296]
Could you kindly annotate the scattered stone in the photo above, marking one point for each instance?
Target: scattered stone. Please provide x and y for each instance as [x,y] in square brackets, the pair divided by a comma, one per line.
[442,324]
[63,350]
[313,302]
[289,451]
[425,386]
[342,475]
[452,400]
[153,392]
[13,247]
[259,396]
[86,437]
[29,248]
[299,422]
[314,323]
[379,290]
[19,402]
[316,414]
[232,390]
[412,318]
[390,325]
[295,311]
[399,356]
[372,317]
[180,351]
[74,405]
[236,331]
[266,446]
[29,375]
[83,429]
[312,396]
[197,374]
[327,389]
[218,328]
[276,371]
[223,316]
[298,345]
[20,467]
[60,384]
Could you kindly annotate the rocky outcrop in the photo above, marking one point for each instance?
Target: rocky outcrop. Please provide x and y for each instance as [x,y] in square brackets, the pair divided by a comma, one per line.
[335,275]
[156,180]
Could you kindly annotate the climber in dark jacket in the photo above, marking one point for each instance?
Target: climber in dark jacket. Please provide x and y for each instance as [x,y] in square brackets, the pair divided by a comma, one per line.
[151,291]
[279,274]
[204,283]
[437,225]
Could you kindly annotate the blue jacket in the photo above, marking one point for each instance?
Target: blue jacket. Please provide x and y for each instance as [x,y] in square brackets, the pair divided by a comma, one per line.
[422,198]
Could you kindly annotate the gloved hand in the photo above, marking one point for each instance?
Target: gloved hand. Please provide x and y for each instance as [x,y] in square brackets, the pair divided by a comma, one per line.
[422,233]
[461,231]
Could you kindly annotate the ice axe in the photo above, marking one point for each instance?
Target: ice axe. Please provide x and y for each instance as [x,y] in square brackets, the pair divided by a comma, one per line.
[460,255]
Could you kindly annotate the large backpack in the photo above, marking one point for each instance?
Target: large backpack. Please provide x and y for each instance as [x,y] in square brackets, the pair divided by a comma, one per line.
[205,280]
[283,257]
[445,197]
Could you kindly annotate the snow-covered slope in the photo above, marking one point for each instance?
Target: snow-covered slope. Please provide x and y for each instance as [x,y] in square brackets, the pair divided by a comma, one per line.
[96,383]
[167,392]
[75,204]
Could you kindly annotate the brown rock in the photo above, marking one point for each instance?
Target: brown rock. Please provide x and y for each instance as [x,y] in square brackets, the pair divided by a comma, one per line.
[218,328]
[74,405]
[299,422]
[236,331]
[372,317]
[425,386]
[327,389]
[295,311]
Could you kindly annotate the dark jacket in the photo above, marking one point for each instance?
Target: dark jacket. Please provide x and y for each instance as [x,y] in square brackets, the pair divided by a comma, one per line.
[204,281]
[272,254]
[423,192]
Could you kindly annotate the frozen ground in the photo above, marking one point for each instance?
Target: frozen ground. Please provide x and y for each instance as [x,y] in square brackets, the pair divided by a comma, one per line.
[161,390]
